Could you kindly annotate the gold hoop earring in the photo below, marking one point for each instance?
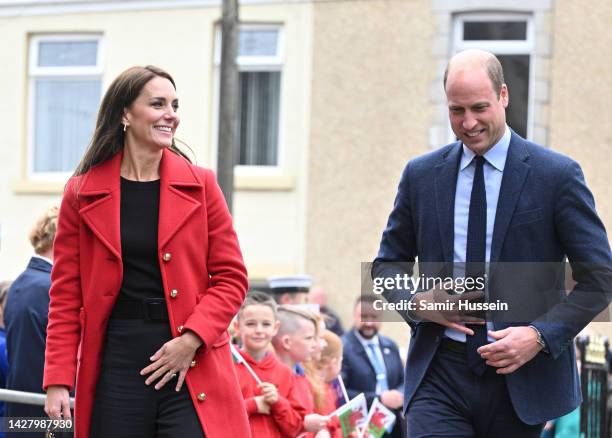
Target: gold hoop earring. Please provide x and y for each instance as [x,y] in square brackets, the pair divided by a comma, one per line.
[125,127]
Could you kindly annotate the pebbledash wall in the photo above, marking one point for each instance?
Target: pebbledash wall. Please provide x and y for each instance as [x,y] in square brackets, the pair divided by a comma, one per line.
[361,94]
[378,101]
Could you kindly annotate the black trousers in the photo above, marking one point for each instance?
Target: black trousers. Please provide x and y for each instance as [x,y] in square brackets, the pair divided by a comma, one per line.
[452,401]
[124,406]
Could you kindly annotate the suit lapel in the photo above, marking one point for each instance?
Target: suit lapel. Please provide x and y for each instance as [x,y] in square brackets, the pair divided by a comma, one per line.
[175,206]
[362,352]
[513,180]
[445,187]
[102,186]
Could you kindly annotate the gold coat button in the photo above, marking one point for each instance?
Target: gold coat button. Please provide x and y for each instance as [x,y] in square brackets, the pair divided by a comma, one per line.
[193,363]
[167,256]
[179,328]
[201,396]
[173,293]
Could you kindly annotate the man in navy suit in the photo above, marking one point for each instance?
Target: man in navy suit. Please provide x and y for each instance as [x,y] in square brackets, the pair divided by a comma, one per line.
[26,317]
[371,362]
[489,199]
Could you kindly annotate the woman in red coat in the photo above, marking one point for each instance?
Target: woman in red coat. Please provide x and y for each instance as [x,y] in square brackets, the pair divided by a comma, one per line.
[148,274]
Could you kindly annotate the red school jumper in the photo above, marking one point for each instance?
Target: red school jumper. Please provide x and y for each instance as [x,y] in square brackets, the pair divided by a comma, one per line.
[286,419]
[306,397]
[303,390]
[331,404]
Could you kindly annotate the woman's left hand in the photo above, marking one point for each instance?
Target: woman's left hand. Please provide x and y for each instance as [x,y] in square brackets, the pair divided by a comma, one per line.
[172,359]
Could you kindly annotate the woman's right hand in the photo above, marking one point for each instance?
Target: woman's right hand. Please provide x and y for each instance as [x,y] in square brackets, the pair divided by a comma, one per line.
[57,405]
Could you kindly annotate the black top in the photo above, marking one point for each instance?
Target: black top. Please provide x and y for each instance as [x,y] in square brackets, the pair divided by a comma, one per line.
[139,216]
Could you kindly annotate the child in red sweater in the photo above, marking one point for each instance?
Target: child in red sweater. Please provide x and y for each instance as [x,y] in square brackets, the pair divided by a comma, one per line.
[273,407]
[295,343]
[328,366]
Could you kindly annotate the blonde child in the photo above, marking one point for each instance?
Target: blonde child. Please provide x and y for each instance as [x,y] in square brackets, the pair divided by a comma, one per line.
[295,343]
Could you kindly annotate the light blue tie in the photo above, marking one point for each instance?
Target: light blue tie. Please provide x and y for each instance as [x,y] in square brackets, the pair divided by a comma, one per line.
[379,368]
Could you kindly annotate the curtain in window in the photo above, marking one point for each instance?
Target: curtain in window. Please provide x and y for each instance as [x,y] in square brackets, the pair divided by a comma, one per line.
[516,74]
[258,121]
[64,120]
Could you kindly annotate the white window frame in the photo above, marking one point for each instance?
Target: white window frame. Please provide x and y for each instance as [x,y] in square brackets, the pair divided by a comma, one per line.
[253,63]
[69,73]
[501,47]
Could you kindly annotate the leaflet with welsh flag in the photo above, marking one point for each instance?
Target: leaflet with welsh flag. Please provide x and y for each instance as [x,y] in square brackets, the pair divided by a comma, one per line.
[352,415]
[379,421]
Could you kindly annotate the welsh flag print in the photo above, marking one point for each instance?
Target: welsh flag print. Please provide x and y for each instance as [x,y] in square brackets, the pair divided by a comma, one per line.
[380,420]
[353,415]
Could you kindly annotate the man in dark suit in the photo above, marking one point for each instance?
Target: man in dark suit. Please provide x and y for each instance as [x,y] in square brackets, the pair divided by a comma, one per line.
[26,317]
[492,197]
[371,362]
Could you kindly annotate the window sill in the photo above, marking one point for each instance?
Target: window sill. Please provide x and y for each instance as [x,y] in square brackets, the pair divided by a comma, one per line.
[277,183]
[25,187]
[261,271]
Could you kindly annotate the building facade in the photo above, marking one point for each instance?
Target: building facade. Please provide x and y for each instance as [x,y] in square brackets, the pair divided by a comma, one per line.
[336,96]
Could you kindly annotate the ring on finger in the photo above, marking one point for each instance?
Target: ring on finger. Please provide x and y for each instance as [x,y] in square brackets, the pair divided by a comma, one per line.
[171,375]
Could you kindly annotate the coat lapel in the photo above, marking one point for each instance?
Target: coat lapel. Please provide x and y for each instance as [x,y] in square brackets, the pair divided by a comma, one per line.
[101,187]
[175,205]
[513,180]
[445,187]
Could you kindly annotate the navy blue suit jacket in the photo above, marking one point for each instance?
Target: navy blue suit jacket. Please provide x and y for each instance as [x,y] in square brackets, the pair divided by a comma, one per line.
[357,370]
[25,317]
[545,213]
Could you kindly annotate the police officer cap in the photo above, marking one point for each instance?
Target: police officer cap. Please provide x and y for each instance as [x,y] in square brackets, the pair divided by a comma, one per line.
[291,283]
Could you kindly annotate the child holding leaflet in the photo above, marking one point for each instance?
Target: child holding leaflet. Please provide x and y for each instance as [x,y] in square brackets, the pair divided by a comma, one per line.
[273,407]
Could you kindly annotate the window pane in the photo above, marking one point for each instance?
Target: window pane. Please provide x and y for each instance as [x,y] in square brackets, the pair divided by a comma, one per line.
[516,74]
[67,53]
[64,120]
[494,30]
[258,120]
[258,42]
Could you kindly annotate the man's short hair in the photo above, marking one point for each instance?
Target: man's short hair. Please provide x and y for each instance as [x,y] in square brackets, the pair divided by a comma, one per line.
[258,298]
[494,70]
[367,299]
[290,318]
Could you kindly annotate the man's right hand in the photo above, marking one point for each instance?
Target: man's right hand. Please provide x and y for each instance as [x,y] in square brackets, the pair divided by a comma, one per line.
[393,399]
[449,316]
[57,405]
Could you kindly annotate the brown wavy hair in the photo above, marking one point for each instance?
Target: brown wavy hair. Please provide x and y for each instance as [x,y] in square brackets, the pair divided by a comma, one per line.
[4,288]
[311,370]
[333,350]
[108,137]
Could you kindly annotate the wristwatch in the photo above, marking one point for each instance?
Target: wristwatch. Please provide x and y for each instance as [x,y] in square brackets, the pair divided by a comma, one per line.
[540,339]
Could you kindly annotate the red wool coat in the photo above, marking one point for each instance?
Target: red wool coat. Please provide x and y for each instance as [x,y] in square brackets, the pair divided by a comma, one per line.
[199,257]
